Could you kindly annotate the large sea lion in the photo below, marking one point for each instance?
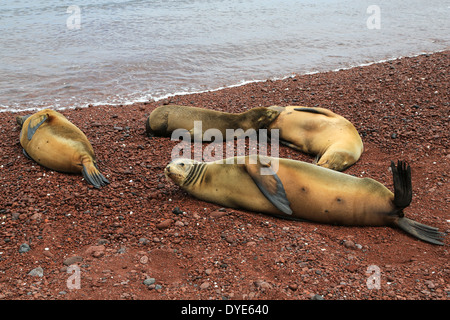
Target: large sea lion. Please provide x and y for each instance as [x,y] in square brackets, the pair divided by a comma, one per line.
[321,132]
[166,119]
[299,190]
[51,140]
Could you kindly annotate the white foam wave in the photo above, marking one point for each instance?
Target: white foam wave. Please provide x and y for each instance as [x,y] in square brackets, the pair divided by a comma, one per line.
[150,97]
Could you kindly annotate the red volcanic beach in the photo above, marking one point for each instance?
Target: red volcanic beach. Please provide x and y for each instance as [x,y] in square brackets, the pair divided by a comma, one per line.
[142,237]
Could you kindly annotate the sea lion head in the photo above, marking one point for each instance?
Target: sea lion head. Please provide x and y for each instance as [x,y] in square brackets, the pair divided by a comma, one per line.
[262,116]
[337,161]
[178,170]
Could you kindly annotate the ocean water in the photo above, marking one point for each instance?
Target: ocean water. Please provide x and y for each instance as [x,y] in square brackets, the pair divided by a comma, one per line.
[66,54]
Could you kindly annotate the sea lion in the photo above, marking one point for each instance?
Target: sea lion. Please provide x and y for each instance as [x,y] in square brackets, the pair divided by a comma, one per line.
[165,119]
[51,140]
[301,191]
[321,132]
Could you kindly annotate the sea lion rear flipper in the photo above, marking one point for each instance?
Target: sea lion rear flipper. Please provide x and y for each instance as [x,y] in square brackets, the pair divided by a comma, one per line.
[402,184]
[421,231]
[270,185]
[402,198]
[21,119]
[34,124]
[93,176]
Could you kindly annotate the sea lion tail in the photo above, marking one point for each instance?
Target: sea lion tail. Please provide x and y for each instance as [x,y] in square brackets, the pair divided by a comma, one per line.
[92,175]
[421,231]
[402,184]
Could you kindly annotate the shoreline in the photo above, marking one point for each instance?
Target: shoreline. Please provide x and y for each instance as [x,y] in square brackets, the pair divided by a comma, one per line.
[129,231]
[238,84]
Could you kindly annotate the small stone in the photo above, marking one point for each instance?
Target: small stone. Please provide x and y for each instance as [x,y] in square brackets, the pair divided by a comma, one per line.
[48,254]
[71,260]
[179,224]
[36,216]
[164,224]
[430,284]
[102,241]
[144,241]
[36,272]
[262,284]
[394,135]
[149,281]
[317,297]
[24,247]
[349,244]
[293,286]
[15,215]
[217,214]
[96,251]
[177,211]
[143,260]
[204,285]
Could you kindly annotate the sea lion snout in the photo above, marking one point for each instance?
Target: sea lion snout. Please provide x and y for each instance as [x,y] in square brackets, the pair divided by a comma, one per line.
[178,169]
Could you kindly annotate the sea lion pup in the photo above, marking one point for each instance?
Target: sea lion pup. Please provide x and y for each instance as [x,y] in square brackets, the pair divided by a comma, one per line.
[301,191]
[165,119]
[321,132]
[51,140]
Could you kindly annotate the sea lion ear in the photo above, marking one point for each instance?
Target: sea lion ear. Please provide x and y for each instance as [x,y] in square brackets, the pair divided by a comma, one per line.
[269,184]
[34,124]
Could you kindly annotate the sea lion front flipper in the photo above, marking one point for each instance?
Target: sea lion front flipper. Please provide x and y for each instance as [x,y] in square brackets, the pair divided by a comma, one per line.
[93,176]
[290,145]
[34,124]
[313,110]
[270,185]
[26,154]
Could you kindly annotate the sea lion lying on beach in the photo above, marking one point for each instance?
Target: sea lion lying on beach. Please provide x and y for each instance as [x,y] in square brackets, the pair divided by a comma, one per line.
[51,140]
[166,119]
[321,132]
[303,191]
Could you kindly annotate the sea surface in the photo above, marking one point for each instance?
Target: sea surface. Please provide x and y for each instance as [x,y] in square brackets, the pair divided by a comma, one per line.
[65,54]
